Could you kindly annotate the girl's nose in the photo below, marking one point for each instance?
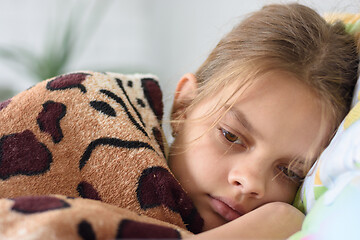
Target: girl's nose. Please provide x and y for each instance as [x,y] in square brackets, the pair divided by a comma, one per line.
[249,181]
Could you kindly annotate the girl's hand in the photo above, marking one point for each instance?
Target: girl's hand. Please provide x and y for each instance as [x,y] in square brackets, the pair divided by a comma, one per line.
[275,220]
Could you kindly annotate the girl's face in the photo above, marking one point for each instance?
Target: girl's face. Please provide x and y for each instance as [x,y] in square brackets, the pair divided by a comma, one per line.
[242,162]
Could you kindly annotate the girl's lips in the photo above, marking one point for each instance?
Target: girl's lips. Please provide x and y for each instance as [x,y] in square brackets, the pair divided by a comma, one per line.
[225,208]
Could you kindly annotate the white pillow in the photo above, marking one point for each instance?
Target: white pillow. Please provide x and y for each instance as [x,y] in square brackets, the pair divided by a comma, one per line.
[337,165]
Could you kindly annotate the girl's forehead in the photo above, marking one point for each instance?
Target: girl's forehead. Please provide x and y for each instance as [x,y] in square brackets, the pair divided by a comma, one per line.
[273,81]
[277,105]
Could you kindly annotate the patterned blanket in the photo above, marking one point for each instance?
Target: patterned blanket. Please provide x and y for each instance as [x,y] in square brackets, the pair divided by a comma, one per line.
[82,156]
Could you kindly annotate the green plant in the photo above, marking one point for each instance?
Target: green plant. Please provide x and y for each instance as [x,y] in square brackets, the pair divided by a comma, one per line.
[6,93]
[64,40]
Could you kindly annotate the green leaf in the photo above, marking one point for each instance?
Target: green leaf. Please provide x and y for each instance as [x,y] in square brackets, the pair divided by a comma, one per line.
[64,41]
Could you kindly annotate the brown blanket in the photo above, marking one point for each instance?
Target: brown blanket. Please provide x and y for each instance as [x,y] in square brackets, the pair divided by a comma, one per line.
[96,136]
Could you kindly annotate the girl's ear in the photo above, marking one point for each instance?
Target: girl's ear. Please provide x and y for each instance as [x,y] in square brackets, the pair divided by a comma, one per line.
[186,90]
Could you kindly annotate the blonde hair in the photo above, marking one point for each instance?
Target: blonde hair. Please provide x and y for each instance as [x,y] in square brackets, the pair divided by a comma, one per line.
[291,38]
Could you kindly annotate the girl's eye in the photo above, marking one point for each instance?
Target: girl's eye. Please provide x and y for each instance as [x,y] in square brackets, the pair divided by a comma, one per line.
[290,174]
[229,136]
[232,138]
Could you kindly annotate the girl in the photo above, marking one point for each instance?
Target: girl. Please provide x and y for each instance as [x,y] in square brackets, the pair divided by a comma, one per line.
[247,125]
[256,115]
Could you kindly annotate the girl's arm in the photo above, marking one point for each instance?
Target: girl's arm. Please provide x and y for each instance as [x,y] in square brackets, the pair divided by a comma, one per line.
[275,220]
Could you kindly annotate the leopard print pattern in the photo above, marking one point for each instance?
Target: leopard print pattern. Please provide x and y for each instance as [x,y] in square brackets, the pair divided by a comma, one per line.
[93,137]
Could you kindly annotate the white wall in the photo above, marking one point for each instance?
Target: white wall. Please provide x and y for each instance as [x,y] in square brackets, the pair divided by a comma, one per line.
[165,37]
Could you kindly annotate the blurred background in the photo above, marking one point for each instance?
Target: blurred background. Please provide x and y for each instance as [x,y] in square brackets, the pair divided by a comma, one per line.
[43,38]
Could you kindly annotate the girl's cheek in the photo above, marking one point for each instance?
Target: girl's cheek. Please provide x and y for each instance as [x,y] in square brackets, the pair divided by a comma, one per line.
[284,192]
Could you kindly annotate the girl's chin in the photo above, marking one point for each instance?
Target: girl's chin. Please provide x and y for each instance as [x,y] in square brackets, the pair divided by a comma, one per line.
[211,220]
[210,217]
[208,225]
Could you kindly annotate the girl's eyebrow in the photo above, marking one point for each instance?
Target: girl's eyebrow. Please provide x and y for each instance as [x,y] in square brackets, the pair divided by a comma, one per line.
[241,117]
